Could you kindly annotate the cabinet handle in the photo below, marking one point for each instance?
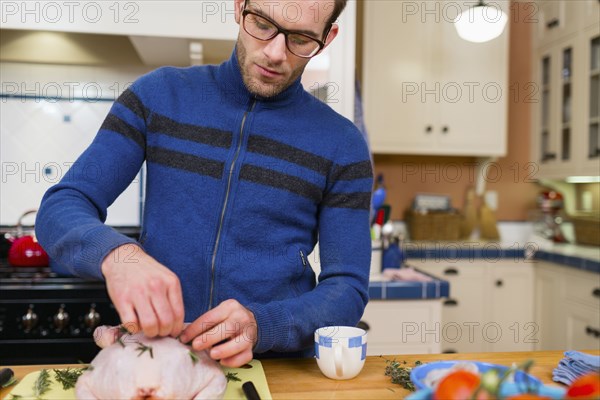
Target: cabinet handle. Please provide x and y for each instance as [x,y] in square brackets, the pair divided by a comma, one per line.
[452,351]
[445,129]
[450,302]
[428,129]
[549,156]
[553,23]
[499,283]
[596,292]
[450,271]
[592,332]
[363,325]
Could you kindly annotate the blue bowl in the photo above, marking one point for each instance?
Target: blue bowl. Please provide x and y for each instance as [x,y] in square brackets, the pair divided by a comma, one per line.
[521,379]
[507,389]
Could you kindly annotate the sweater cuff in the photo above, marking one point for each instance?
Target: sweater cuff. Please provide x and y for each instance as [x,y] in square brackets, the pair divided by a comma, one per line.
[97,243]
[273,325]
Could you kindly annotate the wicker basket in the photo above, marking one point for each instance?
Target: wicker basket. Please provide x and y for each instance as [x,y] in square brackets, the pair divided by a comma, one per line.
[435,225]
[587,229]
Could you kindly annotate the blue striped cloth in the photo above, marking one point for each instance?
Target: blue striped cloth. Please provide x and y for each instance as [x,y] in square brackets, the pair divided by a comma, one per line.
[574,365]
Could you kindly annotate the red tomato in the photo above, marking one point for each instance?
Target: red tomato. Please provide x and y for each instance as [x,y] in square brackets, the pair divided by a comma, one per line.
[585,387]
[457,385]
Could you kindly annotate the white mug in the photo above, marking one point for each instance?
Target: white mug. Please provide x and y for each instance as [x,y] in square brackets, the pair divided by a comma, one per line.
[340,351]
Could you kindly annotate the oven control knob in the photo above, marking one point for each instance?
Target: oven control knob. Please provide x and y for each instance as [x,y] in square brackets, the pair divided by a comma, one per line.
[92,318]
[61,319]
[30,319]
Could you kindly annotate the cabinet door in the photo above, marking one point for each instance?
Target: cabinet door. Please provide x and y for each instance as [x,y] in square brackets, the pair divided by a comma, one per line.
[590,112]
[582,326]
[557,118]
[463,312]
[510,325]
[473,85]
[403,326]
[397,61]
[556,19]
[549,307]
[590,13]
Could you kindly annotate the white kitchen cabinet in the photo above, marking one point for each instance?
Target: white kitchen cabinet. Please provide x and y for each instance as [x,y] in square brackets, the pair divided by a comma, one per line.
[510,321]
[490,307]
[567,73]
[568,310]
[403,326]
[548,305]
[463,311]
[421,95]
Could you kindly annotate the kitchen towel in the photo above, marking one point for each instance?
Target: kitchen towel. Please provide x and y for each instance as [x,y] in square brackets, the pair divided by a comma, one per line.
[574,365]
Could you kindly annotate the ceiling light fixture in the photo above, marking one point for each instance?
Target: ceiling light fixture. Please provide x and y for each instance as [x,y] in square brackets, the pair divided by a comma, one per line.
[480,23]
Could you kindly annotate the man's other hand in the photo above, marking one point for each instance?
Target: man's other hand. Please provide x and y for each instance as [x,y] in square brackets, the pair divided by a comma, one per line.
[146,293]
[228,330]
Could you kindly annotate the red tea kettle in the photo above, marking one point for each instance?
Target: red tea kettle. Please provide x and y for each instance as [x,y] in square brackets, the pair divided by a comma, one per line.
[25,251]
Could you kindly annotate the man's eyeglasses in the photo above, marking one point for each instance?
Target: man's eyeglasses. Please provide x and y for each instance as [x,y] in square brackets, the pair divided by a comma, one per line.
[262,28]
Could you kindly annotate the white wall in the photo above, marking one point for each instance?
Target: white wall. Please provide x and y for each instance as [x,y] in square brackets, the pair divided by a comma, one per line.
[43,133]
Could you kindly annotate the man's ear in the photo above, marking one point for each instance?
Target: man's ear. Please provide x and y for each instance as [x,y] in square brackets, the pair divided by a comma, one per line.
[239,6]
[330,36]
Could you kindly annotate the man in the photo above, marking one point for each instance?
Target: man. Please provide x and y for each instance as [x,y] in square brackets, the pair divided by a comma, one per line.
[245,172]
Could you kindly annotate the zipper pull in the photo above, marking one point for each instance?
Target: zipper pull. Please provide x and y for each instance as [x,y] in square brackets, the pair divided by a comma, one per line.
[302,258]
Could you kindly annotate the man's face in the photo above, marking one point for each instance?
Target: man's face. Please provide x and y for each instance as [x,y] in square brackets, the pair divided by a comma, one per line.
[268,67]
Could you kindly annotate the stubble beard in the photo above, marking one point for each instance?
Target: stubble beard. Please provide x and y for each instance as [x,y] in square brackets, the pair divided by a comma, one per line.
[254,85]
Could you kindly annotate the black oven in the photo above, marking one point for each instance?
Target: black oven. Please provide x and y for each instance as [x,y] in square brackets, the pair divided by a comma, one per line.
[47,319]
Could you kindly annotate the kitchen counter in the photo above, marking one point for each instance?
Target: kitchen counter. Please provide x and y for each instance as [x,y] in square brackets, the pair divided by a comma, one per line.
[301,378]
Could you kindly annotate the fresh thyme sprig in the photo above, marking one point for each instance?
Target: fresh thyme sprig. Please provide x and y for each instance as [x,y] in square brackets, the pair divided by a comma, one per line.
[42,384]
[400,373]
[232,377]
[120,341]
[68,377]
[142,348]
[194,357]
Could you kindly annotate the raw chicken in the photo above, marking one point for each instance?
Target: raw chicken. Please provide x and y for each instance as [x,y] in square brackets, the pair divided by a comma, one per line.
[132,366]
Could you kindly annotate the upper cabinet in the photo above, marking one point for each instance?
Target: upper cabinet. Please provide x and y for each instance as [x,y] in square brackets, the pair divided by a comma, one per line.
[185,19]
[426,90]
[567,72]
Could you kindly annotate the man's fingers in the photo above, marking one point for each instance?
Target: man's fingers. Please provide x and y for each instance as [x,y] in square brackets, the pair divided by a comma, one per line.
[230,348]
[213,336]
[146,316]
[205,322]
[175,298]
[128,317]
[238,360]
[163,312]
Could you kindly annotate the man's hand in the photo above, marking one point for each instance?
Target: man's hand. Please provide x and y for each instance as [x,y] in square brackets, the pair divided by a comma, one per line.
[230,323]
[146,293]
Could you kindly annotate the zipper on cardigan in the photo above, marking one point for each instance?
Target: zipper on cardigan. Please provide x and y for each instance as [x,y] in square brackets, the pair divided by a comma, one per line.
[217,240]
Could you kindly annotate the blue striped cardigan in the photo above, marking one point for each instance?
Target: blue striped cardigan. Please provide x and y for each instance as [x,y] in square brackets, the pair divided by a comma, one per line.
[239,189]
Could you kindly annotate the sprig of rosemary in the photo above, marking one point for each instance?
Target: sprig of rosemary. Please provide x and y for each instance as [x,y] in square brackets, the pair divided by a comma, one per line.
[68,377]
[400,373]
[42,383]
[142,348]
[194,357]
[232,377]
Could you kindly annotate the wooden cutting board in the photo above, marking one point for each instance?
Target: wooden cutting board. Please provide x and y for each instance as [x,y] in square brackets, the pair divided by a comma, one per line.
[254,373]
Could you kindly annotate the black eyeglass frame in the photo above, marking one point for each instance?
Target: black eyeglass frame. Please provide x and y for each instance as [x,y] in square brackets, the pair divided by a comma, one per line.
[285,32]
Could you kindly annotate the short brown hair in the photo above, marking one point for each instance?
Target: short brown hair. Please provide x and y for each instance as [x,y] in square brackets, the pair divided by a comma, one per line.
[338,7]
